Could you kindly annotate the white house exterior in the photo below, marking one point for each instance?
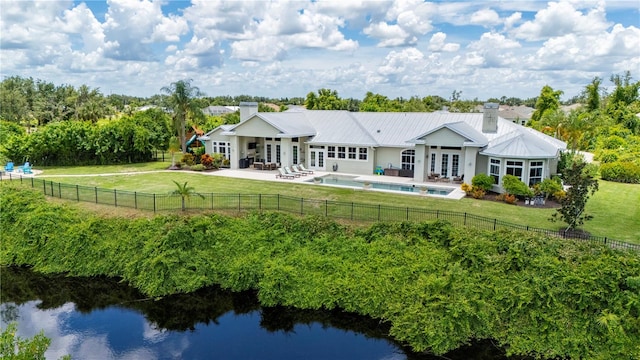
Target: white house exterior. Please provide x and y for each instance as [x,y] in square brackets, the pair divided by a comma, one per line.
[405,144]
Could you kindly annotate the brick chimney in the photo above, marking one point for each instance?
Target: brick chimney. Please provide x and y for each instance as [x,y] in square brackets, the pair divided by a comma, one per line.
[490,118]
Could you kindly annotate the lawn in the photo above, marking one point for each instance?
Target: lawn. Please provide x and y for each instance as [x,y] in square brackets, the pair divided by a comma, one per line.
[614,207]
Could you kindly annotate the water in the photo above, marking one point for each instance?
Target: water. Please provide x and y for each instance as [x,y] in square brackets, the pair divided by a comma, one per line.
[342,180]
[100,318]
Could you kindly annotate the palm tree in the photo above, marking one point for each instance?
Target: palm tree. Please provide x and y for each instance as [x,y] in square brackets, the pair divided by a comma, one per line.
[185,191]
[182,98]
[174,146]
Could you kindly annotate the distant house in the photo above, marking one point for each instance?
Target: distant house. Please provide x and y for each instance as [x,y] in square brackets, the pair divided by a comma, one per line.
[518,114]
[219,110]
[413,144]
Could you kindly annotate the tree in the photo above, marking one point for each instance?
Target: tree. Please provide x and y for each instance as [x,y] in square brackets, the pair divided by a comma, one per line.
[326,99]
[182,99]
[582,184]
[592,94]
[14,347]
[185,191]
[548,101]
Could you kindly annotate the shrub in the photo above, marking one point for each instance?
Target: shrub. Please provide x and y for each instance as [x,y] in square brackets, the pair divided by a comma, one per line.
[477,192]
[218,160]
[483,181]
[607,156]
[549,187]
[197,167]
[510,199]
[466,188]
[188,159]
[514,186]
[560,194]
[206,160]
[624,172]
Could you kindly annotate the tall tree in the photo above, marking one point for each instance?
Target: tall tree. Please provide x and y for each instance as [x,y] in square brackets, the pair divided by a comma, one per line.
[548,101]
[182,99]
[592,94]
[582,185]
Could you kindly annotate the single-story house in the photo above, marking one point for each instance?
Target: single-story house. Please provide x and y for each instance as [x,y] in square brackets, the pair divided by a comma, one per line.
[406,144]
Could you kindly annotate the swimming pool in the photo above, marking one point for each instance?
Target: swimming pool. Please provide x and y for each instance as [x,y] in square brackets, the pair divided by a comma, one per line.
[350,181]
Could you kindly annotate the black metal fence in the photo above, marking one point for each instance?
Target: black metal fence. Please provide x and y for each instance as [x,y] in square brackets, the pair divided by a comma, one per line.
[352,211]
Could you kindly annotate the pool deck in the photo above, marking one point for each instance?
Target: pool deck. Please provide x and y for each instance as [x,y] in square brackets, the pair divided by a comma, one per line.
[270,175]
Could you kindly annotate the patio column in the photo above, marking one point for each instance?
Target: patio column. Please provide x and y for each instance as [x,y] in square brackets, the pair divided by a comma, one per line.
[286,156]
[419,164]
[469,168]
[234,158]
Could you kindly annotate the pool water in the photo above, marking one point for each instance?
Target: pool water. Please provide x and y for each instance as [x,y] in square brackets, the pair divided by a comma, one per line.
[350,181]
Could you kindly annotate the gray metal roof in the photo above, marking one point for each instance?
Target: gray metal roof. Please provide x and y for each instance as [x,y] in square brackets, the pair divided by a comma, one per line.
[404,129]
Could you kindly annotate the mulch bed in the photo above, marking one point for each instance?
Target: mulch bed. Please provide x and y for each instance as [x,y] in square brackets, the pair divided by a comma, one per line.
[549,204]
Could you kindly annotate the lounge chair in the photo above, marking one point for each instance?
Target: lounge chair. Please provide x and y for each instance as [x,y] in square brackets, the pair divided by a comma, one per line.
[458,179]
[301,167]
[258,165]
[289,172]
[296,169]
[283,175]
[26,168]
[433,177]
[9,167]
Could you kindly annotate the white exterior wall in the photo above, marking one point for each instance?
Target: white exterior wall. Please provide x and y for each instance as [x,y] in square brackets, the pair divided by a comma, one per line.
[208,145]
[419,171]
[255,127]
[444,137]
[349,166]
[470,163]
[388,155]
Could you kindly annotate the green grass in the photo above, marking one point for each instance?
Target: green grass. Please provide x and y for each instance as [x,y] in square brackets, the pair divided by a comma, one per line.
[614,207]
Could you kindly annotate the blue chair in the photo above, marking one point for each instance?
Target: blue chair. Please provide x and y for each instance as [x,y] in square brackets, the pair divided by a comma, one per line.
[26,168]
[378,170]
[9,167]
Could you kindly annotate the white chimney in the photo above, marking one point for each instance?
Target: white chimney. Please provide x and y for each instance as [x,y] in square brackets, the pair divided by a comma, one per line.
[490,118]
[248,109]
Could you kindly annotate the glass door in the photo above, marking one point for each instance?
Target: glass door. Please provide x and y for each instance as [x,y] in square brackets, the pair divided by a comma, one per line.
[316,159]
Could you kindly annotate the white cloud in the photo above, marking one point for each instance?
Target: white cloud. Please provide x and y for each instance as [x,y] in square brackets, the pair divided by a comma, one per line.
[437,43]
[561,18]
[485,17]
[397,62]
[389,35]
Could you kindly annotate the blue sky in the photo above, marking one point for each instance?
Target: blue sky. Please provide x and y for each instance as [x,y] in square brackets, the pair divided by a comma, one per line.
[290,48]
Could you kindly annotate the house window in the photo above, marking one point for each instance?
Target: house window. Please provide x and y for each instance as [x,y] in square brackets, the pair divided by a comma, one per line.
[494,170]
[295,154]
[331,152]
[363,154]
[514,168]
[268,153]
[222,147]
[535,172]
[433,163]
[455,165]
[341,152]
[278,153]
[295,139]
[352,153]
[444,166]
[408,159]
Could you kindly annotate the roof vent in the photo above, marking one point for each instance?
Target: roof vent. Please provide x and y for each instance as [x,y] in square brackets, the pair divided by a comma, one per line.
[378,131]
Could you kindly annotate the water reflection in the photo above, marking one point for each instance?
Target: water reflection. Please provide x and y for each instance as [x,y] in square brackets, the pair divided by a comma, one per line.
[101,318]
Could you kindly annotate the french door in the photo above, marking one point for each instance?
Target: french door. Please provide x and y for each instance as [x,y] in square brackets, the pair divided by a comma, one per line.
[316,159]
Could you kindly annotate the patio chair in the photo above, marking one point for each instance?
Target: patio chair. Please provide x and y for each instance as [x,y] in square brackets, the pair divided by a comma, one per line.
[458,179]
[289,172]
[9,167]
[283,175]
[296,169]
[301,167]
[433,177]
[258,166]
[26,168]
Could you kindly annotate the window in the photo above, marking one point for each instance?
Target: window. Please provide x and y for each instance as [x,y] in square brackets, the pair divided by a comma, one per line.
[295,154]
[494,170]
[363,154]
[221,147]
[445,166]
[331,152]
[295,139]
[514,168]
[455,165]
[268,153]
[408,159]
[278,153]
[535,172]
[341,152]
[352,153]
[433,163]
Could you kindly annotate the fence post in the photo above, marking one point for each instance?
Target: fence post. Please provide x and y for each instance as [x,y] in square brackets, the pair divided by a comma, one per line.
[77,193]
[238,202]
[135,199]
[352,211]
[437,214]
[212,196]
[31,182]
[260,202]
[379,212]
[44,187]
[115,197]
[605,240]
[154,202]
[495,222]
[407,213]
[326,207]
[278,202]
[465,218]
[301,206]
[52,193]
[96,191]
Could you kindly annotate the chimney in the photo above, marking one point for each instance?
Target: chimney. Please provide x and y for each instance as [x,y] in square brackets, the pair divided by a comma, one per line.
[248,109]
[490,118]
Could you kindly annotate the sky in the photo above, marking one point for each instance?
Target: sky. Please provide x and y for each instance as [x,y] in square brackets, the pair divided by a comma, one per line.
[277,49]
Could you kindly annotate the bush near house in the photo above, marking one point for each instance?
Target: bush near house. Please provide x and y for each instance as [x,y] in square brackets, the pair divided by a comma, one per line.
[625,172]
[482,181]
[514,186]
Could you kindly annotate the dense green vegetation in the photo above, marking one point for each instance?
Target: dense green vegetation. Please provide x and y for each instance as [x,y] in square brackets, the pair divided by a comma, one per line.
[437,286]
